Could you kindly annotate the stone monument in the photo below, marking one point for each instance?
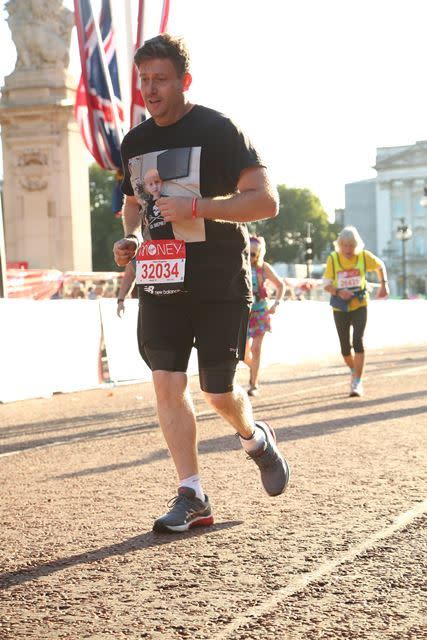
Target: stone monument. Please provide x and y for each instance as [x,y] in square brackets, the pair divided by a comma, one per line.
[46,183]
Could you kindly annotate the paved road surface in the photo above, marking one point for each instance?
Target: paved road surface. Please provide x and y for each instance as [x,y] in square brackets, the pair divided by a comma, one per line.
[341,555]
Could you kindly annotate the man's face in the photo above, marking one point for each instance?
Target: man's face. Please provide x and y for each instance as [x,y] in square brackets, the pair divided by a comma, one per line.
[163,90]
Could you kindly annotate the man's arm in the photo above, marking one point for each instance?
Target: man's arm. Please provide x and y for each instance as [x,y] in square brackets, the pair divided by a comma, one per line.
[124,250]
[256,199]
[127,282]
[131,216]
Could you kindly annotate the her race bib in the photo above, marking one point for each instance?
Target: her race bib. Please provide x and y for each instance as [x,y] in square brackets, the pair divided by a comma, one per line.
[350,279]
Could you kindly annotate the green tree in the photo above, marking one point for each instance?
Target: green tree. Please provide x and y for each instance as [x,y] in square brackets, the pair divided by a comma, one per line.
[284,234]
[106,228]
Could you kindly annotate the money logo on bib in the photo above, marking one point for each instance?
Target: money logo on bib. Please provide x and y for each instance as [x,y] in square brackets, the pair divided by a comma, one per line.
[160,266]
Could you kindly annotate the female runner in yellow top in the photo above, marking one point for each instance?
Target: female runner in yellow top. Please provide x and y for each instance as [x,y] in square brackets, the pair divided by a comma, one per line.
[345,280]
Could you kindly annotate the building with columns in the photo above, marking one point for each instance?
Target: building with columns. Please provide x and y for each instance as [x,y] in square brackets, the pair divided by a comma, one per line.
[398,188]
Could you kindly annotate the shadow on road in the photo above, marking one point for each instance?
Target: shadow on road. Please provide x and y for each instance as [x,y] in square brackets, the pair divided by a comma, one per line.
[285,434]
[65,424]
[138,543]
[315,429]
[102,432]
[372,368]
[402,397]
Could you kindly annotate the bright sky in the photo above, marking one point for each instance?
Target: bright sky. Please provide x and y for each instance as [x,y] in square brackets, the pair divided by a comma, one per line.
[317,84]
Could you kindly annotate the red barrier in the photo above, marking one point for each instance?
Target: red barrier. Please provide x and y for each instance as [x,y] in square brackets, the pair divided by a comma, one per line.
[37,284]
[42,284]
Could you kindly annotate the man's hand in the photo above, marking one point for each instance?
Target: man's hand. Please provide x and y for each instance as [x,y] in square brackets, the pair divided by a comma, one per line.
[124,250]
[175,209]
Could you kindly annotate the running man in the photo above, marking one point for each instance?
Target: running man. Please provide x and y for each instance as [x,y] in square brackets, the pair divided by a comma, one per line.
[195,285]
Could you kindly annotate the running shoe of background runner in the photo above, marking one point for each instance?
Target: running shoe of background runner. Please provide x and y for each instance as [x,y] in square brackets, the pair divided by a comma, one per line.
[356,389]
[185,511]
[273,467]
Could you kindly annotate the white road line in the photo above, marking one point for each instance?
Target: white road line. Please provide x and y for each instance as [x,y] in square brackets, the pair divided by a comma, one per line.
[299,583]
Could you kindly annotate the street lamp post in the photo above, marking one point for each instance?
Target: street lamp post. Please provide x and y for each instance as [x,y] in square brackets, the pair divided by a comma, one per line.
[423,201]
[308,253]
[403,233]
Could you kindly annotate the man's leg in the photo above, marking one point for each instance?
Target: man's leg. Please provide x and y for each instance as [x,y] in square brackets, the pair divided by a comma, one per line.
[177,420]
[221,336]
[257,438]
[165,347]
[235,407]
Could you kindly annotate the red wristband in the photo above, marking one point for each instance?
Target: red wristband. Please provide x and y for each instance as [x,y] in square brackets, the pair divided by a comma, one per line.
[194,208]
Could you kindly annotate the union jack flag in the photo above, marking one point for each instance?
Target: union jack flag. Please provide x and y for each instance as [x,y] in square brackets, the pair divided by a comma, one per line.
[137,109]
[98,108]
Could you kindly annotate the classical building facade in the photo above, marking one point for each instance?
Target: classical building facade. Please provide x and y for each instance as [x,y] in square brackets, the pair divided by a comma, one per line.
[379,206]
[401,178]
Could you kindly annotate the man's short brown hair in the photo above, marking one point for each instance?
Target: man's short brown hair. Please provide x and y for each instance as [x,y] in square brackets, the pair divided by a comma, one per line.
[165,46]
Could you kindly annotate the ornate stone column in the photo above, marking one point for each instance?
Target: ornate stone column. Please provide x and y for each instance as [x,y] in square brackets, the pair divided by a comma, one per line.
[46,183]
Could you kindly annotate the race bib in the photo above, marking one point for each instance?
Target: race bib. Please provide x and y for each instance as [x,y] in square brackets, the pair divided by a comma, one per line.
[350,279]
[160,266]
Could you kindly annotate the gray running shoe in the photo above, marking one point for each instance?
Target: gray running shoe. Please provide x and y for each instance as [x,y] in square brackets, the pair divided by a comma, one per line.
[186,511]
[274,468]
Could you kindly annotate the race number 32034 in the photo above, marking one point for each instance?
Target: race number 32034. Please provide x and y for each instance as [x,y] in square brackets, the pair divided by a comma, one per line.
[160,261]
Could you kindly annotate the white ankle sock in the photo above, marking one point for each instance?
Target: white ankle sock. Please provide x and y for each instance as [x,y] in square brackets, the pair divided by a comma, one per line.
[193,482]
[255,442]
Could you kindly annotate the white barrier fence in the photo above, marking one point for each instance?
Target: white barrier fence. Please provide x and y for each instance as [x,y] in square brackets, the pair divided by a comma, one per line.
[53,346]
[48,346]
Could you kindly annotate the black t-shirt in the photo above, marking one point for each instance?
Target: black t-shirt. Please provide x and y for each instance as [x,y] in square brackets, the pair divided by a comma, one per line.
[201,155]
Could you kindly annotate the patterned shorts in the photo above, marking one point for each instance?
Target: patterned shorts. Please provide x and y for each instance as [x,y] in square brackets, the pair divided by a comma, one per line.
[259,322]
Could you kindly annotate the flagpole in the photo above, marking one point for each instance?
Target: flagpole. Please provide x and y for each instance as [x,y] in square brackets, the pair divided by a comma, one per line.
[130,40]
[124,51]
[118,126]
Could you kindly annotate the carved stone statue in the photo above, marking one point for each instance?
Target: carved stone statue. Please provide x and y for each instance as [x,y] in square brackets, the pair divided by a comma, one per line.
[41,31]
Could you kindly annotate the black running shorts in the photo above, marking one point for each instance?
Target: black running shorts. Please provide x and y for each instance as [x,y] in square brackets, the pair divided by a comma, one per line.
[169,327]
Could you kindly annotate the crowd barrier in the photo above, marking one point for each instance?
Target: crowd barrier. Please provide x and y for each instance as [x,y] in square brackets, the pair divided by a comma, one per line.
[48,346]
[53,345]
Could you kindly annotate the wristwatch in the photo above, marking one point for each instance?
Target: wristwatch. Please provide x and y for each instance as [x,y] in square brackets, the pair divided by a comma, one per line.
[120,300]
